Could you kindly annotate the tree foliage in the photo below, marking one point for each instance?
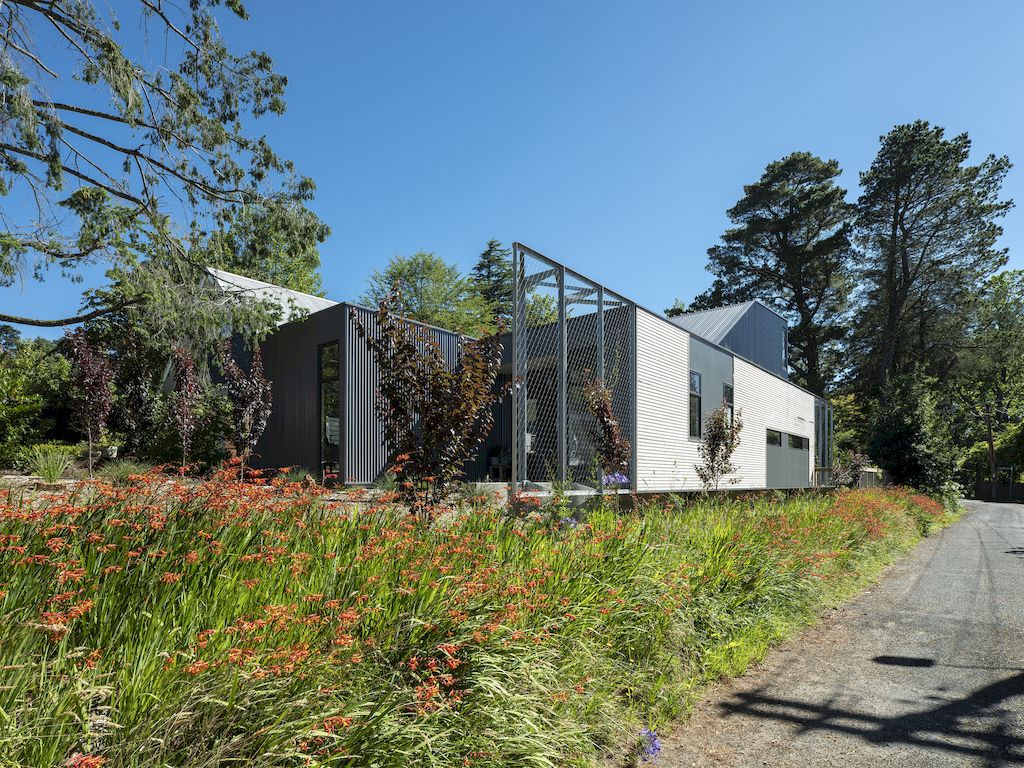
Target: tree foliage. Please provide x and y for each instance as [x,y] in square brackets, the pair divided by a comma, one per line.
[493,280]
[721,438]
[434,414]
[989,376]
[613,449]
[276,241]
[251,397]
[790,248]
[909,436]
[425,288]
[677,309]
[187,401]
[34,378]
[927,225]
[92,378]
[116,148]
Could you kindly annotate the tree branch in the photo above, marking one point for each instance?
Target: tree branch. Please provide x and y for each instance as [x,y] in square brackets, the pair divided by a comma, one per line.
[67,320]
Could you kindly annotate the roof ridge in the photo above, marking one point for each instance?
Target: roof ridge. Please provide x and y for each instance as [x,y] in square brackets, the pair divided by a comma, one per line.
[718,309]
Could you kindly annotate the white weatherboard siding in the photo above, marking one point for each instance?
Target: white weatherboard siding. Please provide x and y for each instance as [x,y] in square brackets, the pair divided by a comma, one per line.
[767,402]
[665,456]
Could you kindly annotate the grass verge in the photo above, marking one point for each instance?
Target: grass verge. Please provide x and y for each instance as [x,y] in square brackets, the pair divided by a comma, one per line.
[161,623]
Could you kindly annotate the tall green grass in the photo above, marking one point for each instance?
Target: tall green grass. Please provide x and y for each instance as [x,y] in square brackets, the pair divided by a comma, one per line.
[50,462]
[161,623]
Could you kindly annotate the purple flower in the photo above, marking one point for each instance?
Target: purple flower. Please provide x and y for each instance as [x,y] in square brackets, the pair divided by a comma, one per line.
[616,478]
[650,744]
[569,522]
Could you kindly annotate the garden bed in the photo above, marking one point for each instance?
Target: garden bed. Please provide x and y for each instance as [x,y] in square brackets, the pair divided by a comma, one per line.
[163,622]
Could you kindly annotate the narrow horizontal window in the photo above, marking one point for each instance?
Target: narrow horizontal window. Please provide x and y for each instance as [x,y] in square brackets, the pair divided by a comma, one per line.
[799,443]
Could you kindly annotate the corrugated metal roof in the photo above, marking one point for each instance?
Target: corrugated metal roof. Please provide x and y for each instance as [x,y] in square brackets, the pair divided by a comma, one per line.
[292,303]
[713,324]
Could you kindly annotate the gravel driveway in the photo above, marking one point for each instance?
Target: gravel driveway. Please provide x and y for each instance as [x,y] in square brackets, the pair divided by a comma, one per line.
[926,668]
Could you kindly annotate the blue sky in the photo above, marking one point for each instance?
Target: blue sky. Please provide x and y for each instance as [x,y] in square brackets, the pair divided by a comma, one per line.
[610,136]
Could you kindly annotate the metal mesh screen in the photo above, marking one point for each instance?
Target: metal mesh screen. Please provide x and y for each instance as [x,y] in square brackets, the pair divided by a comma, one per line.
[567,330]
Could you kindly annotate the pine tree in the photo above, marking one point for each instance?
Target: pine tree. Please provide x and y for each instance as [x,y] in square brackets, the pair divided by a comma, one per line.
[926,222]
[790,248]
[493,276]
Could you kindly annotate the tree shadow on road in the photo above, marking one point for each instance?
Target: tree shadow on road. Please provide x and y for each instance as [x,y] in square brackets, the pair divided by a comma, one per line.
[980,725]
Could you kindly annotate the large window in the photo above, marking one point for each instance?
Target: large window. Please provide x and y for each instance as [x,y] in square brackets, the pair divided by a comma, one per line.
[330,410]
[695,415]
[727,400]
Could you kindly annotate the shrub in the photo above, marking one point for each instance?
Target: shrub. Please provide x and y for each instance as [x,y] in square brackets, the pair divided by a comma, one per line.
[613,450]
[92,377]
[123,472]
[33,385]
[187,400]
[909,438]
[49,462]
[721,438]
[434,414]
[251,401]
[848,468]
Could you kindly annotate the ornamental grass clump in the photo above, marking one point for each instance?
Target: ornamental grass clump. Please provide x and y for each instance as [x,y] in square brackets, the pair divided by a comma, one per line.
[170,622]
[49,462]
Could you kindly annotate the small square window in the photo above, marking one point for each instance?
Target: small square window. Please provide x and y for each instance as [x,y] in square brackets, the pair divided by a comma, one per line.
[774,437]
[799,443]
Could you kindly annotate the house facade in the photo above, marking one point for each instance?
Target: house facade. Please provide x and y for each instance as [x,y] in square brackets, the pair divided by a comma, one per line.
[665,377]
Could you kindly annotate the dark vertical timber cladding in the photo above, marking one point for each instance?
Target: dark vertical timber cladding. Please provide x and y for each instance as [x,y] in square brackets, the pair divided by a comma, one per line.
[760,336]
[363,445]
[292,436]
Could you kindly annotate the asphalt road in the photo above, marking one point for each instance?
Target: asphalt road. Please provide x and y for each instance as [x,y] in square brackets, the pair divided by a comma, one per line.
[926,668]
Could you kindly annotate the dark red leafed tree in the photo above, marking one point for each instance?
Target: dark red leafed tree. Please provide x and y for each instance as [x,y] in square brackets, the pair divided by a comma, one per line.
[187,400]
[251,401]
[434,414]
[614,450]
[91,376]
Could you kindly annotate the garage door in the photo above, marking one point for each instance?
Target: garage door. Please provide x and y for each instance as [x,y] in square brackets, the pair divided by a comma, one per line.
[788,460]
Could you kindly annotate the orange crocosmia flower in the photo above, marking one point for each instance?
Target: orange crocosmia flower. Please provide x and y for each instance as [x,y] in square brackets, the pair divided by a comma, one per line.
[70,574]
[331,724]
[79,760]
[170,578]
[196,667]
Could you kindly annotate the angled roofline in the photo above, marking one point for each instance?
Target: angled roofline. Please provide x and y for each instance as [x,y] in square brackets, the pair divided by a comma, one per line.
[661,316]
[218,272]
[737,304]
